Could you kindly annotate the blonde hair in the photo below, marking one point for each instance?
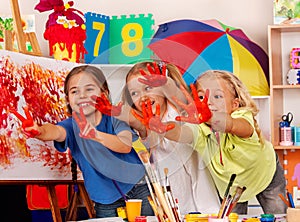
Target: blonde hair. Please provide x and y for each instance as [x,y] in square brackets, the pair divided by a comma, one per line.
[238,89]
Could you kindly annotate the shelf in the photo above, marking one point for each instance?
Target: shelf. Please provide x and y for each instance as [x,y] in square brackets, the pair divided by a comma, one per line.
[286,86]
[286,28]
[283,96]
[286,147]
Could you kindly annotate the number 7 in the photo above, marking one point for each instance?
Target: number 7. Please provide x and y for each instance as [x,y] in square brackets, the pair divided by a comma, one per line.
[101,27]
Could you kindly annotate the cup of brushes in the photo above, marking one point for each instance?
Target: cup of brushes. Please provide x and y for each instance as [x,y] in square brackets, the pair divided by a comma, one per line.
[161,198]
[230,199]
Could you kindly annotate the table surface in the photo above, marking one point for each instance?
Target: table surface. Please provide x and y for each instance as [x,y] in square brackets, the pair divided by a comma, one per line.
[279,218]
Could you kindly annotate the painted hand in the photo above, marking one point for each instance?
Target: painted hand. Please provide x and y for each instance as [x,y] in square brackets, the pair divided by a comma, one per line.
[152,121]
[103,104]
[156,77]
[197,111]
[87,131]
[26,122]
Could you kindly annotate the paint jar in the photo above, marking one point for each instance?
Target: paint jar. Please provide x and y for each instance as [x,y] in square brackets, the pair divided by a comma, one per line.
[286,136]
[233,217]
[267,218]
[296,135]
[121,211]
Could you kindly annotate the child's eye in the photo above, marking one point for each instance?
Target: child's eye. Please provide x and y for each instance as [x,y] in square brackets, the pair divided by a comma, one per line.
[201,97]
[90,89]
[218,97]
[133,93]
[73,92]
[147,88]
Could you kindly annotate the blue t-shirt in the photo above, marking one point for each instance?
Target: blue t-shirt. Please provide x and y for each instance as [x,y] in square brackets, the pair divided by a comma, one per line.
[100,165]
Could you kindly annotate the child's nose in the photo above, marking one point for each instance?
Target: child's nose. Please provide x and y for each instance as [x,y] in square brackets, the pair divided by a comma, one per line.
[82,94]
[209,101]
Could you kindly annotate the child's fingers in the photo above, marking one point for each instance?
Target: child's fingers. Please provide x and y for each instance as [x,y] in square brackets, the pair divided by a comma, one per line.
[187,119]
[179,103]
[170,126]
[157,70]
[143,72]
[164,69]
[205,100]
[194,93]
[82,116]
[157,111]
[149,108]
[144,110]
[18,115]
[144,81]
[77,120]
[150,69]
[27,113]
[86,130]
[186,94]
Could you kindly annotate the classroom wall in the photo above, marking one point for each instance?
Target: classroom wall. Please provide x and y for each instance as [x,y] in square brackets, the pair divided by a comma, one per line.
[252,16]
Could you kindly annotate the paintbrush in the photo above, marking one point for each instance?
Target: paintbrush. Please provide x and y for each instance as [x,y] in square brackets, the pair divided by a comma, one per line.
[120,191]
[162,200]
[238,193]
[232,178]
[145,158]
[170,196]
[156,209]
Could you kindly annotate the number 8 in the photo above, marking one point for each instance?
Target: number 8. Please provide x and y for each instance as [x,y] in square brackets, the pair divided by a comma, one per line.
[136,39]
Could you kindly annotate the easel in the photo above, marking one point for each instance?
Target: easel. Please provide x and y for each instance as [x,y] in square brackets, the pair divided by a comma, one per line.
[22,38]
[54,202]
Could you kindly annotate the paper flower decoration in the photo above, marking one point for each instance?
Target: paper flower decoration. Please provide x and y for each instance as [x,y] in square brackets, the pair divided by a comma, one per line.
[65,30]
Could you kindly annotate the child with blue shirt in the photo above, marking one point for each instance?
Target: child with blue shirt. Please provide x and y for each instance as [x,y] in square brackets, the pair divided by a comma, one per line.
[100,144]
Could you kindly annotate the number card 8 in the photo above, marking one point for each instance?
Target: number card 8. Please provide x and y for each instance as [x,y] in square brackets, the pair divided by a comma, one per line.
[129,38]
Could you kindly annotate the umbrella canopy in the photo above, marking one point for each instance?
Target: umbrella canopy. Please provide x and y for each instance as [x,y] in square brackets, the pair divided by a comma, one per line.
[197,46]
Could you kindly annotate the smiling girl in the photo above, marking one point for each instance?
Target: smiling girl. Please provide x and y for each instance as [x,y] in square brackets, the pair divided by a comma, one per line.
[100,144]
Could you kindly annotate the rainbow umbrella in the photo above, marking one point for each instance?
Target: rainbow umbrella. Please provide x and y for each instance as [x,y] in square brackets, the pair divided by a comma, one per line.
[197,46]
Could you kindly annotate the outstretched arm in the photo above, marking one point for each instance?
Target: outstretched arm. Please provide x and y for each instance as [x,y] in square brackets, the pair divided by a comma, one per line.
[121,143]
[46,132]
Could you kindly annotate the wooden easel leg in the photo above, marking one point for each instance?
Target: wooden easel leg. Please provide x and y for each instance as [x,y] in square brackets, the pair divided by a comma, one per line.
[87,201]
[54,203]
[18,26]
[20,35]
[8,40]
[31,37]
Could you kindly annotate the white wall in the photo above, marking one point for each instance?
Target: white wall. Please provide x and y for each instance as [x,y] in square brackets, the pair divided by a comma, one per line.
[253,16]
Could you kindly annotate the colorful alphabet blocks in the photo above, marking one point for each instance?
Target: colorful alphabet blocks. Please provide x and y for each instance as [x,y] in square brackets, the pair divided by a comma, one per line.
[118,40]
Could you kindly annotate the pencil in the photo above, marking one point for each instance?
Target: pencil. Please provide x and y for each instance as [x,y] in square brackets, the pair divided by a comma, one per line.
[290,197]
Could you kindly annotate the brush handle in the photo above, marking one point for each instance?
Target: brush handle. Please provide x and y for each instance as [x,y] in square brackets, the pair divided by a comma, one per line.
[160,196]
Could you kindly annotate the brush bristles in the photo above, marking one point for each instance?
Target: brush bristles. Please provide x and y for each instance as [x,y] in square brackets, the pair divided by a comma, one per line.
[166,170]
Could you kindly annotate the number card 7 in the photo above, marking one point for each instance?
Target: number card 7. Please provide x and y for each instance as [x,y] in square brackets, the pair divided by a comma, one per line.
[97,38]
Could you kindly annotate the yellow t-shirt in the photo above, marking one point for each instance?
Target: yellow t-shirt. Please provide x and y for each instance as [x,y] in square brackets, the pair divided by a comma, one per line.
[253,163]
